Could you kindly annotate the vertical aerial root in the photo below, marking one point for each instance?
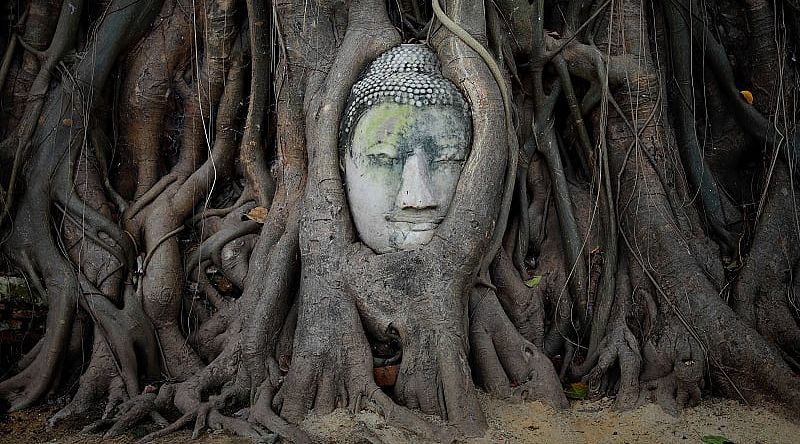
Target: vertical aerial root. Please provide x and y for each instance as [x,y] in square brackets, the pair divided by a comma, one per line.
[621,347]
[508,365]
[100,379]
[673,371]
[523,305]
[264,316]
[435,377]
[570,233]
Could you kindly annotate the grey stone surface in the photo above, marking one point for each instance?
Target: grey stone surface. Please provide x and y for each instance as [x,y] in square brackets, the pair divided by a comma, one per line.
[405,139]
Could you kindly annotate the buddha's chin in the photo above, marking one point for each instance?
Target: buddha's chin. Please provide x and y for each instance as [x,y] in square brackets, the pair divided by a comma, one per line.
[411,240]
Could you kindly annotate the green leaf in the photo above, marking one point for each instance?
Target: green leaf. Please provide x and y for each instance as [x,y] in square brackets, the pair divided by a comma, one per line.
[714,439]
[534,281]
[577,390]
[732,265]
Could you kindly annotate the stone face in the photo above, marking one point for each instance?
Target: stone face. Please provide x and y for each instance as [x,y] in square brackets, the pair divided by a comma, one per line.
[405,136]
[401,172]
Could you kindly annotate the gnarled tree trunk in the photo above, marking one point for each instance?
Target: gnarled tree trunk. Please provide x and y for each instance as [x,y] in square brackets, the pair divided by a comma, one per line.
[173,187]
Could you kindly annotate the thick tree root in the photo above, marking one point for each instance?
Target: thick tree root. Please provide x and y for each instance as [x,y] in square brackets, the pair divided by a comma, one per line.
[233,352]
[100,379]
[507,365]
[434,376]
[621,347]
[674,370]
[523,305]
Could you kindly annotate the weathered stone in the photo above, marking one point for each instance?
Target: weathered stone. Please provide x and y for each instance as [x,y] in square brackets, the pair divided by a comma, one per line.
[403,154]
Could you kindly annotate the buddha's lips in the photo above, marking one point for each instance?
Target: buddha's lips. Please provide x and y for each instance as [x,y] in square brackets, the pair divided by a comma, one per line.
[416,222]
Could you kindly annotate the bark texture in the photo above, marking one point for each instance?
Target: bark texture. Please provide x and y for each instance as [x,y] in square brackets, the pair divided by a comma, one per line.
[627,218]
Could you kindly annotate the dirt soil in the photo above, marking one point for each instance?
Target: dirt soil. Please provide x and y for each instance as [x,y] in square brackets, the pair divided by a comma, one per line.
[531,422]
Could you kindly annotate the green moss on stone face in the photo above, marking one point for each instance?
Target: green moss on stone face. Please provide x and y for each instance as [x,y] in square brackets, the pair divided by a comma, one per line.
[383,124]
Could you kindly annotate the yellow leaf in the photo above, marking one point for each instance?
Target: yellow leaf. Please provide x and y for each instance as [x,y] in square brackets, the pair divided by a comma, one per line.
[534,281]
[748,96]
[577,390]
[224,285]
[258,214]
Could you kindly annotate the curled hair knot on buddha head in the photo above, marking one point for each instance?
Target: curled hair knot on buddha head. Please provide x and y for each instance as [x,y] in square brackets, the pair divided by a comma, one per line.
[406,74]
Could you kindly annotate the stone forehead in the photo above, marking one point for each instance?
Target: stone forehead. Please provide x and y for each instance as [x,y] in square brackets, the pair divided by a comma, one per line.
[406,74]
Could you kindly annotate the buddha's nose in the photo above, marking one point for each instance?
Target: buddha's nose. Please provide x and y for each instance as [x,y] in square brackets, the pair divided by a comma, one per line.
[415,189]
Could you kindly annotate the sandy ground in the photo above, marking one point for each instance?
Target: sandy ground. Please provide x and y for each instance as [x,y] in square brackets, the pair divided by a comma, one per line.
[532,422]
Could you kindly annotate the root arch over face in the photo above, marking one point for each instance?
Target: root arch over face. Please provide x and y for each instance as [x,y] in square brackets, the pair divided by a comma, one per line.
[176,192]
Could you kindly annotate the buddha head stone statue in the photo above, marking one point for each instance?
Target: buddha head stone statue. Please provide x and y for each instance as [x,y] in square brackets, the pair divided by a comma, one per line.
[403,142]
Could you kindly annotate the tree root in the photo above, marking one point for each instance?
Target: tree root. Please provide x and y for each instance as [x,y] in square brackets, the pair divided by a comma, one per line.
[261,413]
[523,305]
[507,365]
[621,347]
[434,376]
[100,379]
[452,334]
[186,396]
[673,371]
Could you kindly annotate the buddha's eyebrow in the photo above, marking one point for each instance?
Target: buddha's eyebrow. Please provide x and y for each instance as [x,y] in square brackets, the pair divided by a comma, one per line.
[382,134]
